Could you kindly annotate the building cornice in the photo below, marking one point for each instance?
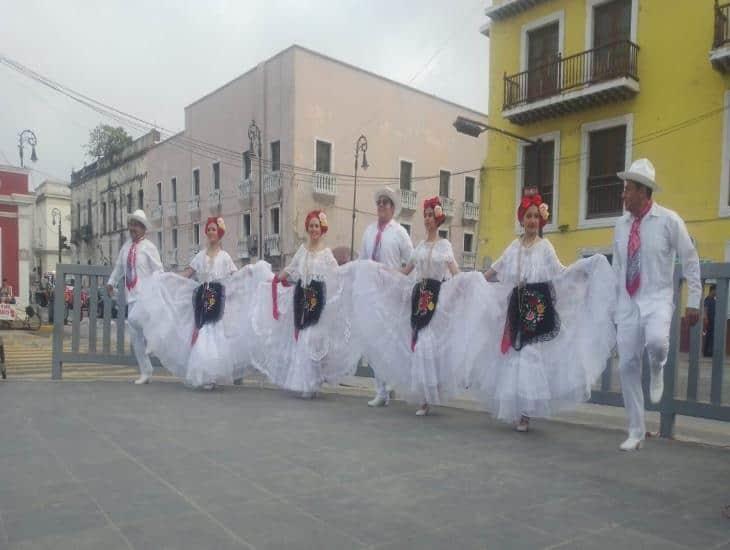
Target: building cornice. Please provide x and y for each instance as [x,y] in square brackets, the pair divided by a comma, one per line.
[510,8]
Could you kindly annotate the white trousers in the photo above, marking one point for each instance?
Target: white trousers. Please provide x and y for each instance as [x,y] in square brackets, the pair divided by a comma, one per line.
[635,333]
[139,347]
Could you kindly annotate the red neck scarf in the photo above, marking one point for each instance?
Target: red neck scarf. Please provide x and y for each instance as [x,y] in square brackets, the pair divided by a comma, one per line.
[130,279]
[375,256]
[633,264]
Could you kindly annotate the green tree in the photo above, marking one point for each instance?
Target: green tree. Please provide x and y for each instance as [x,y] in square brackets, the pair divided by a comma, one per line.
[105,140]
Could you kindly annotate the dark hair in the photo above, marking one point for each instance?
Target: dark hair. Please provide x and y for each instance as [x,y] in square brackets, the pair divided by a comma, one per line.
[713,288]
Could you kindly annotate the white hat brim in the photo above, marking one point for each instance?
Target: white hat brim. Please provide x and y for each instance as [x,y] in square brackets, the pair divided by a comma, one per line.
[392,196]
[139,219]
[639,178]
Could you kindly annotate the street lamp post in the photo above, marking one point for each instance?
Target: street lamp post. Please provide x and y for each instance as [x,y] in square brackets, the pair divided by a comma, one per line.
[254,138]
[57,213]
[27,136]
[360,145]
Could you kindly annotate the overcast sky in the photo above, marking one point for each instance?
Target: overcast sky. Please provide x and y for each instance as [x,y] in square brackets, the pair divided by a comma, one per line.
[152,58]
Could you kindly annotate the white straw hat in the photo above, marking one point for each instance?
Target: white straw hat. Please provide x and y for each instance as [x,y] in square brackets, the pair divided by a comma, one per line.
[392,196]
[641,171]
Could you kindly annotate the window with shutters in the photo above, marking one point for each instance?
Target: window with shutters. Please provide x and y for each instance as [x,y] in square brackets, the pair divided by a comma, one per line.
[246,165]
[196,183]
[469,189]
[542,53]
[174,238]
[611,35]
[196,234]
[103,217]
[606,157]
[275,156]
[274,220]
[246,224]
[159,192]
[539,171]
[140,199]
[216,175]
[130,204]
[444,183]
[173,188]
[406,175]
[468,242]
[323,161]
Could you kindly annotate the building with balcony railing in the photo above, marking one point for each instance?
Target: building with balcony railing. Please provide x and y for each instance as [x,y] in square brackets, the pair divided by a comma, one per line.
[324,185]
[408,200]
[214,200]
[470,212]
[594,85]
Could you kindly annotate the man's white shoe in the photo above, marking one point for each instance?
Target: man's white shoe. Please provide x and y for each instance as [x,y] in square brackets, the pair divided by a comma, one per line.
[378,402]
[631,444]
[144,379]
[656,387]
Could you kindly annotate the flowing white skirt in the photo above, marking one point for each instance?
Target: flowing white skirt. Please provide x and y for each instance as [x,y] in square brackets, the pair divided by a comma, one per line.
[164,312]
[323,353]
[434,371]
[544,378]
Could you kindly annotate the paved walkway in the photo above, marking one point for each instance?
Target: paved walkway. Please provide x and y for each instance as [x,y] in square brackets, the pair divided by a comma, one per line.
[107,465]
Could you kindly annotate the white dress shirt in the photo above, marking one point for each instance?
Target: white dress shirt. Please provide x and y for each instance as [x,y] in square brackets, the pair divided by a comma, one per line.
[148,262]
[395,245]
[663,237]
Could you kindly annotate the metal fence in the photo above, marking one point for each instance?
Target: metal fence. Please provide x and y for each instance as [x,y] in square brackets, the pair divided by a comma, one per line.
[693,386]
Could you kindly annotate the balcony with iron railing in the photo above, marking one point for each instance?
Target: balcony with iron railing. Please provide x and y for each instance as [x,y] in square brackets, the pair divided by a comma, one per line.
[244,190]
[448,205]
[470,212]
[171,211]
[271,245]
[242,247]
[408,200]
[171,257]
[594,77]
[194,205]
[214,200]
[468,261]
[324,185]
[156,213]
[272,183]
[720,53]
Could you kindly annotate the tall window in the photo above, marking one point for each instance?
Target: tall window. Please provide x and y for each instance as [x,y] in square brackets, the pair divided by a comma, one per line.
[246,165]
[114,215]
[173,187]
[129,203]
[196,234]
[542,52]
[216,175]
[78,215]
[444,183]
[274,219]
[246,224]
[275,155]
[607,156]
[159,192]
[406,175]
[140,199]
[88,213]
[540,176]
[174,238]
[611,33]
[323,161]
[196,183]
[468,242]
[469,185]
[159,240]
[103,217]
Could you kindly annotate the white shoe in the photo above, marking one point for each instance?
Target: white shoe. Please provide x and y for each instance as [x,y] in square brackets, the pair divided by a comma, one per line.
[378,402]
[143,379]
[423,411]
[656,387]
[631,444]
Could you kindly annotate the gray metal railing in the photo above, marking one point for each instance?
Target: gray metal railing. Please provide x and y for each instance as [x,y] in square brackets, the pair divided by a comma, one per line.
[89,291]
[686,373]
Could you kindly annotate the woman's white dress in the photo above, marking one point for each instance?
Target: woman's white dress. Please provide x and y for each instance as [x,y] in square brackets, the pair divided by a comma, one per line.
[220,353]
[321,353]
[543,377]
[432,371]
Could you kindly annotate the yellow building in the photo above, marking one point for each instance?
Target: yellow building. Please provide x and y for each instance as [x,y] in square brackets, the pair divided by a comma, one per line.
[602,83]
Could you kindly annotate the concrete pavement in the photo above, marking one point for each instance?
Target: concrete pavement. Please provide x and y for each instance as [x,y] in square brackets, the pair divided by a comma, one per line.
[107,465]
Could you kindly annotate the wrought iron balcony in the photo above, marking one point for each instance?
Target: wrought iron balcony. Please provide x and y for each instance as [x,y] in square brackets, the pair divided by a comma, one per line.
[601,75]
[194,205]
[720,53]
[244,190]
[242,248]
[470,212]
[214,200]
[469,260]
[271,245]
[171,211]
[408,199]
[272,183]
[324,184]
[448,205]
[171,257]
[156,213]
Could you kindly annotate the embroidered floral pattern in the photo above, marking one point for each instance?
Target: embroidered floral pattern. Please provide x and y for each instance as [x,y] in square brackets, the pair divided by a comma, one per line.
[426,302]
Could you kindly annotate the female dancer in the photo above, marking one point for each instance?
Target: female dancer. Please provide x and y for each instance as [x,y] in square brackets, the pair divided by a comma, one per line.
[192,326]
[417,357]
[305,336]
[558,332]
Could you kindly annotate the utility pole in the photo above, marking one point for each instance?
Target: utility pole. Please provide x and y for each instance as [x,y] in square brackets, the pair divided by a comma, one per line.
[360,145]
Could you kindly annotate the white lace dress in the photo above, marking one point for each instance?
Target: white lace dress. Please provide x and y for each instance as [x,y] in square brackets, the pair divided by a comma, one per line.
[323,352]
[543,377]
[167,319]
[432,370]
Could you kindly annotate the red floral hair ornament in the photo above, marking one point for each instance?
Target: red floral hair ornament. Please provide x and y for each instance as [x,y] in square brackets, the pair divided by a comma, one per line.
[321,216]
[533,199]
[219,224]
[434,203]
